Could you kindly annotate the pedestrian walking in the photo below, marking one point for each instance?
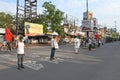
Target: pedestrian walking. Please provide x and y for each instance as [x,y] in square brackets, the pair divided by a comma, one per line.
[93,42]
[54,46]
[77,43]
[102,40]
[99,43]
[20,52]
[90,44]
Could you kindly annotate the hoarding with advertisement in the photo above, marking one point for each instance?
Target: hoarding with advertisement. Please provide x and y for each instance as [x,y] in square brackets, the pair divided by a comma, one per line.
[32,29]
[90,15]
[87,25]
[95,22]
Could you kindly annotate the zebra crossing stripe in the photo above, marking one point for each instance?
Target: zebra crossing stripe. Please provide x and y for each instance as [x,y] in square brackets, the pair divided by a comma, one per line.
[33,65]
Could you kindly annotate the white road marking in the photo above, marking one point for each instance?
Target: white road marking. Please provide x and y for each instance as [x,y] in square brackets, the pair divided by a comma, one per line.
[33,65]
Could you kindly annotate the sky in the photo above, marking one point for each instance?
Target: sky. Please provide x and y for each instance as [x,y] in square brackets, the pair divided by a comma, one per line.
[106,11]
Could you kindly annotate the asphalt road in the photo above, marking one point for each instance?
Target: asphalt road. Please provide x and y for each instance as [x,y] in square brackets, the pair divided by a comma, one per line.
[100,64]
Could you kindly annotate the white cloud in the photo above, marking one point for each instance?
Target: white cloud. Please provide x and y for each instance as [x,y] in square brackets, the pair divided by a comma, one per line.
[107,11]
[7,7]
[74,4]
[69,4]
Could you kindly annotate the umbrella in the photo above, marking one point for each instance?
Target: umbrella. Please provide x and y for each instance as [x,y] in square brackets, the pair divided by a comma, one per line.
[55,33]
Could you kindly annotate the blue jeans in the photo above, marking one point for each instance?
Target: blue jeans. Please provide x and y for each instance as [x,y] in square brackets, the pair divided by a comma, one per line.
[20,60]
[52,52]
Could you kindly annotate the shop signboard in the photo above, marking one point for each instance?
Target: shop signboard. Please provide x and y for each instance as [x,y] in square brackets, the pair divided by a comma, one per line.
[95,22]
[87,25]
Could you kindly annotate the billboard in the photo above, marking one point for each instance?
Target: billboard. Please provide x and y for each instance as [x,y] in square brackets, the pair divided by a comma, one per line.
[32,29]
[87,25]
[95,22]
[90,15]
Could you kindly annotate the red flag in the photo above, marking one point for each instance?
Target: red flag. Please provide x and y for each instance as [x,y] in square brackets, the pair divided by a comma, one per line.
[8,35]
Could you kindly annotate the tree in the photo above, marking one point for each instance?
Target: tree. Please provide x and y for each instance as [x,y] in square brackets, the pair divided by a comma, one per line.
[6,19]
[51,17]
[105,29]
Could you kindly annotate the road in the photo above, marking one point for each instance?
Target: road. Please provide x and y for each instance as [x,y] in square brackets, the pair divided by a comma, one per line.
[100,64]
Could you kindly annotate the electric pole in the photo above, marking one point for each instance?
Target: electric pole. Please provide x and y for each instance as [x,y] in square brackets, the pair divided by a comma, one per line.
[87,33]
[17,17]
[87,8]
[115,27]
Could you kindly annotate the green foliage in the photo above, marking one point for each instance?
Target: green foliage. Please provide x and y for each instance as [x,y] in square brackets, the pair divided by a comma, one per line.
[51,17]
[113,34]
[5,19]
[105,28]
[109,39]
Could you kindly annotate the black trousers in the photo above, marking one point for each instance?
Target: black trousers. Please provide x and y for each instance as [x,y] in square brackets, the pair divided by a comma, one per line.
[90,46]
[9,46]
[98,44]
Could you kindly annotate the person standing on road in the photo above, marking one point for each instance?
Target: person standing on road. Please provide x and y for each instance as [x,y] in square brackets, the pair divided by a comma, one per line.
[93,43]
[54,45]
[20,52]
[102,41]
[90,44]
[99,42]
[77,42]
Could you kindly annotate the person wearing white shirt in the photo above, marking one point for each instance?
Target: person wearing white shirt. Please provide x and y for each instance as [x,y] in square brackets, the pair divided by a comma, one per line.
[20,52]
[77,43]
[90,44]
[54,45]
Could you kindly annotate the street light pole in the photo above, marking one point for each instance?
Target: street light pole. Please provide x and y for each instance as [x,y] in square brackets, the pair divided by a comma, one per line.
[115,27]
[87,8]
[115,30]
[74,27]
[87,33]
[17,17]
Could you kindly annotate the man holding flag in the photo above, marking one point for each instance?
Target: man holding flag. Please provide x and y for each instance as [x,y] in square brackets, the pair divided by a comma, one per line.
[8,37]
